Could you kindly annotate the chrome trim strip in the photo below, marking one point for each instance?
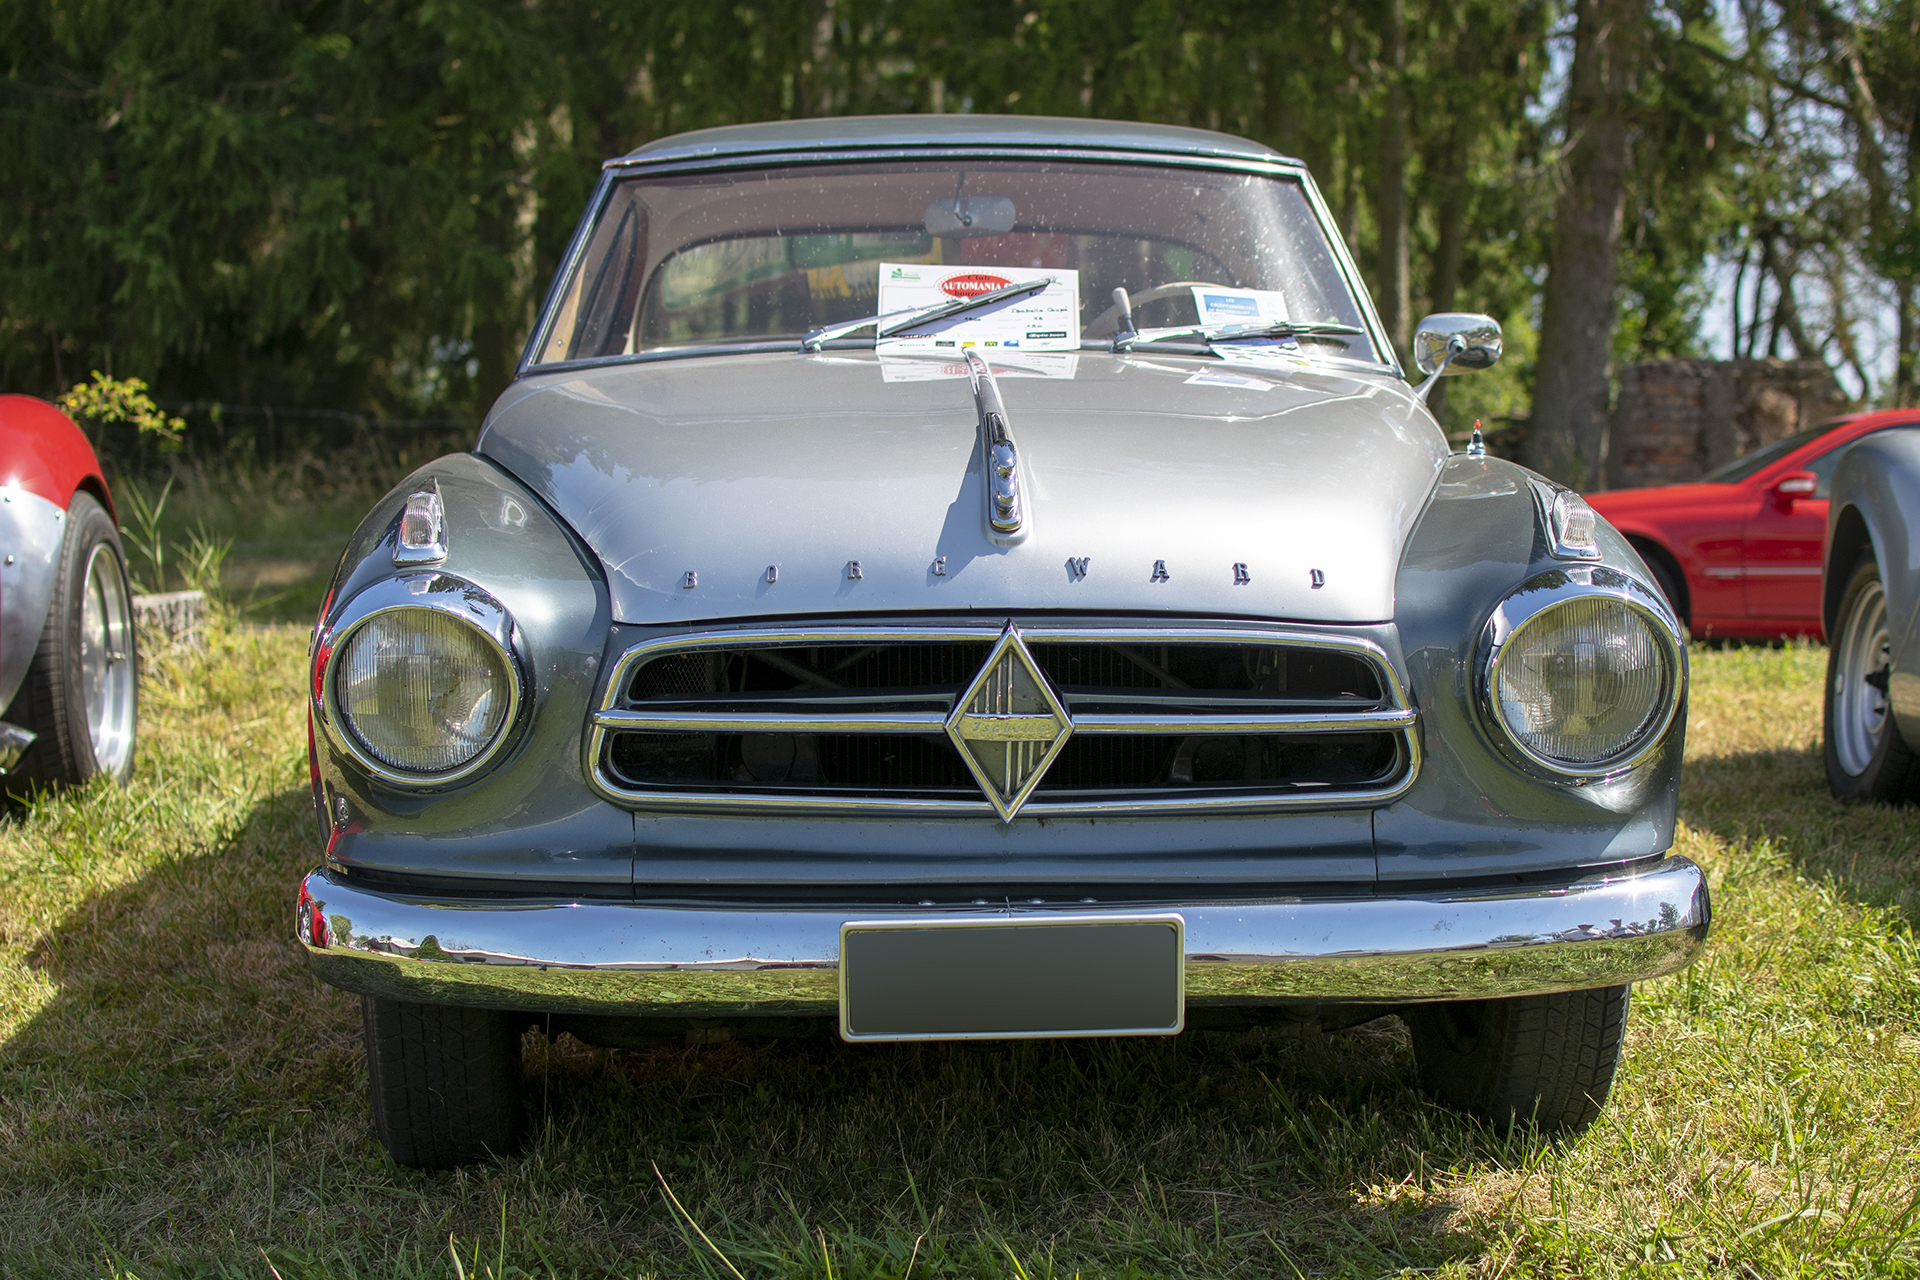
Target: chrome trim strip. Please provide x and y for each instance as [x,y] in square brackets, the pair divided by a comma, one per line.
[444,593]
[634,958]
[1398,715]
[1283,722]
[930,722]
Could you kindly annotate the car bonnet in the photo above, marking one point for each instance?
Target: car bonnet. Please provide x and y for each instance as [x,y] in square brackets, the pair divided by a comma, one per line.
[775,484]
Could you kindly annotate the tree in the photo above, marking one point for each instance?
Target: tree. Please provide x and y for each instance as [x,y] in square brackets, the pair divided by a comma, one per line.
[1567,437]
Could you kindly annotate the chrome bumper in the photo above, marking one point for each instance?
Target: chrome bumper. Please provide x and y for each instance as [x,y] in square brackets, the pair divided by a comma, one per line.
[716,961]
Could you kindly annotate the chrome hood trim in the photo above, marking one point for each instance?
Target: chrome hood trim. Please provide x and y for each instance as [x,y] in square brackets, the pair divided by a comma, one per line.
[779,484]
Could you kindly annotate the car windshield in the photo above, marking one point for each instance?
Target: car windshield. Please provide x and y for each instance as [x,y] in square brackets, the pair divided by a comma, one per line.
[1760,459]
[759,256]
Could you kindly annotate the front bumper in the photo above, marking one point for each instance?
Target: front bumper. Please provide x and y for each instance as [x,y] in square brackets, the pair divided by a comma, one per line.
[638,959]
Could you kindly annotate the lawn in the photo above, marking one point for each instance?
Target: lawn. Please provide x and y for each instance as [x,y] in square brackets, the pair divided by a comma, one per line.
[178,1097]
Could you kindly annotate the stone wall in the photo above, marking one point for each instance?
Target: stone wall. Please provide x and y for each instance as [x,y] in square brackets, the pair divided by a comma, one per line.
[1676,420]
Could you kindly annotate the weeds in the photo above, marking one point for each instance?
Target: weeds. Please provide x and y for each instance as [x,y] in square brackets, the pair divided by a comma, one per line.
[178,1097]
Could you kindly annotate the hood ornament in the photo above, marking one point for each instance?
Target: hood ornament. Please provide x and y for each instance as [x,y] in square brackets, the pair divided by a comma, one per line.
[1006,515]
[1009,725]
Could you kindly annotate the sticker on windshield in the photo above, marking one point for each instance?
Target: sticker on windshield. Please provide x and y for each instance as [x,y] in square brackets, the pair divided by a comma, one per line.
[1044,321]
[1239,306]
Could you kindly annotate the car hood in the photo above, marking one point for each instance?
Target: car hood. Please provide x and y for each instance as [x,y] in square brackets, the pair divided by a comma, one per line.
[752,485]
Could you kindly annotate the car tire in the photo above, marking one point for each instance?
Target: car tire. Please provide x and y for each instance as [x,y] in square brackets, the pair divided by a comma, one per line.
[1541,1061]
[1865,755]
[80,695]
[445,1082]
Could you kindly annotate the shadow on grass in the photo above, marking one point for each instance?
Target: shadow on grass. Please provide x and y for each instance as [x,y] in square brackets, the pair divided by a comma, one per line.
[1871,851]
[186,1097]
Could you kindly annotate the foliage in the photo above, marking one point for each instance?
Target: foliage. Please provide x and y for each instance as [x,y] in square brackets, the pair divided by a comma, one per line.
[107,400]
[359,204]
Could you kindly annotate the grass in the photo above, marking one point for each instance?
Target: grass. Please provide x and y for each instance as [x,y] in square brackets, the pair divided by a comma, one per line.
[178,1097]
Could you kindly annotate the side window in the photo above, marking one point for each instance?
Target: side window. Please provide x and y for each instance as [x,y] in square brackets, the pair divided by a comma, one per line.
[1823,466]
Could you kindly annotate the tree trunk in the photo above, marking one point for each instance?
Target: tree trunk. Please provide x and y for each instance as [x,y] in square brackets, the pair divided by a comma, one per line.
[1568,434]
[1390,204]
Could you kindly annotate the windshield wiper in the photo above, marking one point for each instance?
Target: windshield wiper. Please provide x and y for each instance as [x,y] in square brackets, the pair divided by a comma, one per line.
[1212,333]
[892,322]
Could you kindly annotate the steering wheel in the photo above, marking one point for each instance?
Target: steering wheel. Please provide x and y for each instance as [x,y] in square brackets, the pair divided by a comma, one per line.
[1110,318]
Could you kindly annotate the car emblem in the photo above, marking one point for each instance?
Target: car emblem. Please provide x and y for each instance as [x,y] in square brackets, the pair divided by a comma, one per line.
[1009,725]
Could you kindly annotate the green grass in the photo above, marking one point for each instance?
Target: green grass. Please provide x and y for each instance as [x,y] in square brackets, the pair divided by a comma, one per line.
[178,1097]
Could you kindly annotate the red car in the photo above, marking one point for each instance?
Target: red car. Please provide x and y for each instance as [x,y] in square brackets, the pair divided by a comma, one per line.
[67,634]
[1739,552]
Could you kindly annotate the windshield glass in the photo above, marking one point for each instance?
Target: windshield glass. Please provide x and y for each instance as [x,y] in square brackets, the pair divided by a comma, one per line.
[765,255]
[1760,459]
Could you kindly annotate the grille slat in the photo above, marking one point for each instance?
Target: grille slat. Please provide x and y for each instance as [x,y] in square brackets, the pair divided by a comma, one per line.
[853,717]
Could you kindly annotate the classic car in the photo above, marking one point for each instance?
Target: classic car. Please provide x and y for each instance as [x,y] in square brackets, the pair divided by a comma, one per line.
[979,577]
[1871,598]
[67,634]
[1738,553]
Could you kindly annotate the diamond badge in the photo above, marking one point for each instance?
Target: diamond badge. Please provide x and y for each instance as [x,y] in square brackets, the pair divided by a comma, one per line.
[1009,725]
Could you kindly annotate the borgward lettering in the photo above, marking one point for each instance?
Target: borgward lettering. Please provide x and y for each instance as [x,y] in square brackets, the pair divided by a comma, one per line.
[1077,567]
[1009,725]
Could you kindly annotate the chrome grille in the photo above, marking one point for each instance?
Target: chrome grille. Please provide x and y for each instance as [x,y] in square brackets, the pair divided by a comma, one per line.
[852,718]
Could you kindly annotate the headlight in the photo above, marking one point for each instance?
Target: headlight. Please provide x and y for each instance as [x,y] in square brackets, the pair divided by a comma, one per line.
[1582,681]
[422,692]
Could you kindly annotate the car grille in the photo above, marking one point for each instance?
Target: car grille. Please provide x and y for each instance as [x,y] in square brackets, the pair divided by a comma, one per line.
[853,717]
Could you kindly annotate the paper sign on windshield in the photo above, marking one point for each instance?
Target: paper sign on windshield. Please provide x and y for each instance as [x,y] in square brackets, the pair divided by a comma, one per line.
[1239,306]
[1045,321]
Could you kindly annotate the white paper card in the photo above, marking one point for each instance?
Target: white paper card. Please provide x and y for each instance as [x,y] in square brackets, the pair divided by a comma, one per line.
[1045,321]
[1239,306]
[933,366]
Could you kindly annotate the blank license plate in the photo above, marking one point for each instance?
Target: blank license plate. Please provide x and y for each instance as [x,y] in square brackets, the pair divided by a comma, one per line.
[999,978]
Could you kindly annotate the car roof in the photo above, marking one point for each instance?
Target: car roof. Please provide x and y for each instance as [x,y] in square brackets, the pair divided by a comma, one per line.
[931,132]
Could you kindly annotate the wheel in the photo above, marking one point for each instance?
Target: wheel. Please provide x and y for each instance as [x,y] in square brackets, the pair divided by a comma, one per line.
[445,1082]
[1672,585]
[1865,755]
[1546,1061]
[79,695]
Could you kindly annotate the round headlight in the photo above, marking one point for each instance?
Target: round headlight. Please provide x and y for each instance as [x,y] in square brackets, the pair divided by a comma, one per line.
[421,690]
[1584,683]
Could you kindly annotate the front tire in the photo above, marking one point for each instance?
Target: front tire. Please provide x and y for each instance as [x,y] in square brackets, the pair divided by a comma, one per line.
[80,693]
[445,1082]
[1546,1061]
[1866,757]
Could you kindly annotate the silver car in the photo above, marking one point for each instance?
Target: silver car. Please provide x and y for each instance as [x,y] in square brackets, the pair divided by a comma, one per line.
[962,577]
[1871,599]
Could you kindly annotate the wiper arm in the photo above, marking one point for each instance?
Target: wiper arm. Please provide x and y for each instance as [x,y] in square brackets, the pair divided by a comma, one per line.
[889,323]
[1211,333]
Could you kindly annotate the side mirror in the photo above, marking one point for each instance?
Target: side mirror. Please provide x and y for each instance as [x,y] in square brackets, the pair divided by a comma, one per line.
[1456,342]
[1796,484]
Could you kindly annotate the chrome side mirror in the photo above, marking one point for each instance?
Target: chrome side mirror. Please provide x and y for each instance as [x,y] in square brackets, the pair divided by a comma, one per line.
[1456,342]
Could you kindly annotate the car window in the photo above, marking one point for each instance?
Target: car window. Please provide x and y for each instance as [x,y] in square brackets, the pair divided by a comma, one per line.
[748,256]
[1760,459]
[1824,465]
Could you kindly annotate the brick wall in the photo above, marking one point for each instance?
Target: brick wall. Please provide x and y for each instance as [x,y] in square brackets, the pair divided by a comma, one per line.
[1676,420]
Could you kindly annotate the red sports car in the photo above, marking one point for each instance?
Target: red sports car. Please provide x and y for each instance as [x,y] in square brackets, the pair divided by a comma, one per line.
[67,636]
[1739,552]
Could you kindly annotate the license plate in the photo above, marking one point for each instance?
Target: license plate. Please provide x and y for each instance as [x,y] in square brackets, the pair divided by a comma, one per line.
[1001,978]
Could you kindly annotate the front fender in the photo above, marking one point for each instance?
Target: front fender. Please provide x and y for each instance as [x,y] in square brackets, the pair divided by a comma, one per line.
[1876,502]
[530,813]
[1472,812]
